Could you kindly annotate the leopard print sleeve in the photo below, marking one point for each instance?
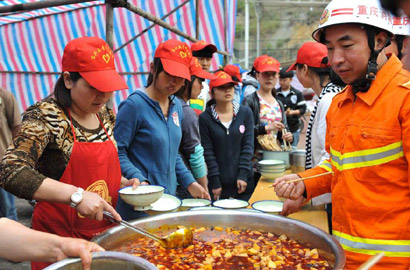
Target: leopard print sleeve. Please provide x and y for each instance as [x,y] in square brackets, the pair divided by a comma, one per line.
[18,172]
[43,146]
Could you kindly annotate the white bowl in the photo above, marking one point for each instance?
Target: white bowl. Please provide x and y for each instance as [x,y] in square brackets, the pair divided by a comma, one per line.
[231,204]
[189,203]
[275,168]
[249,210]
[270,176]
[142,197]
[272,170]
[166,204]
[199,208]
[271,162]
[277,155]
[268,206]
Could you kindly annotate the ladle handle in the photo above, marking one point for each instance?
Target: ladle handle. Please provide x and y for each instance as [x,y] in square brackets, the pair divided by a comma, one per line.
[111,218]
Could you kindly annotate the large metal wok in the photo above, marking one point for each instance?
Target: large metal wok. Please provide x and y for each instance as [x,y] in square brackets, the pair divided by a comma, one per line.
[304,233]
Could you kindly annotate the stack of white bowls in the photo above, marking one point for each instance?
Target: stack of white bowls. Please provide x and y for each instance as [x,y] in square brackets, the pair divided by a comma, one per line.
[271,169]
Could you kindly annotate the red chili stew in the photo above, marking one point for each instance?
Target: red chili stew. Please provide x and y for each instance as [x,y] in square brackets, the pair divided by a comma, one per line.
[218,248]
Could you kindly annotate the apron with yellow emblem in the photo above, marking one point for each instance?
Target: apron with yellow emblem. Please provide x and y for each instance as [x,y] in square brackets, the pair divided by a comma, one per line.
[93,166]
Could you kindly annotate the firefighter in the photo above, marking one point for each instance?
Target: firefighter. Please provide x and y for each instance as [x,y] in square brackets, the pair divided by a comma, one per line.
[367,137]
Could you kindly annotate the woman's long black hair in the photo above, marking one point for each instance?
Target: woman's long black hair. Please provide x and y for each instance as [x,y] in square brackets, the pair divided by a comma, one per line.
[187,87]
[61,93]
[158,68]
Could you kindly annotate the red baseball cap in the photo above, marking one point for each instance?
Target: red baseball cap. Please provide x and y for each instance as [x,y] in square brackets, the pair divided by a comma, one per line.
[94,60]
[233,70]
[196,70]
[311,53]
[202,44]
[221,78]
[257,59]
[267,64]
[175,57]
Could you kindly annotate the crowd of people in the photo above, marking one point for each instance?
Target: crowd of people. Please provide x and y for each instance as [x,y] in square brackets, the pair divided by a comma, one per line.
[195,133]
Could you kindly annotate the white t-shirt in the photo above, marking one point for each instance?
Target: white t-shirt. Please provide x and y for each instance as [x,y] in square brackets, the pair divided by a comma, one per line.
[204,95]
[318,139]
[227,124]
[285,93]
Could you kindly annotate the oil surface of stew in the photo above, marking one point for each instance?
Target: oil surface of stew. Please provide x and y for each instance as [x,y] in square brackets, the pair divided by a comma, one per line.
[218,248]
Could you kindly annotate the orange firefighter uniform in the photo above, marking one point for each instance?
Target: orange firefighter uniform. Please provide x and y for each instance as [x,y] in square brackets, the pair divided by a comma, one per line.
[368,138]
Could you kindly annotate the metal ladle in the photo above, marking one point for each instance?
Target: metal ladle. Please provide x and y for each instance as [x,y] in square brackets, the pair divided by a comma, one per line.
[180,238]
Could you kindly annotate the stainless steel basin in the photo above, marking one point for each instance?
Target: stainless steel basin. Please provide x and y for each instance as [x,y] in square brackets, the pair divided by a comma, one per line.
[107,260]
[304,233]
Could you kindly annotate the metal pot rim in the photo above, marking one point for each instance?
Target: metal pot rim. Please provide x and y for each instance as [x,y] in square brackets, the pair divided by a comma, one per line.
[104,255]
[261,220]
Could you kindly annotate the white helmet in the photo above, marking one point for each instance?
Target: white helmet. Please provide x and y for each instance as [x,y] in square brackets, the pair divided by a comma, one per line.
[368,12]
[401,26]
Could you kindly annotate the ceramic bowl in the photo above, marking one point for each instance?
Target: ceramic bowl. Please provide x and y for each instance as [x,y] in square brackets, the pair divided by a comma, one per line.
[199,208]
[268,206]
[142,197]
[272,170]
[231,204]
[251,210]
[277,155]
[271,176]
[189,203]
[271,162]
[272,165]
[166,204]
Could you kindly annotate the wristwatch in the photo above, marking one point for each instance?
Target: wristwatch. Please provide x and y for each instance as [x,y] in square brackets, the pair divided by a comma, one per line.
[76,197]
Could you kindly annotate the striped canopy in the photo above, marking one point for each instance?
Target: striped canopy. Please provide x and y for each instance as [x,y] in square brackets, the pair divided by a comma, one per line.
[32,43]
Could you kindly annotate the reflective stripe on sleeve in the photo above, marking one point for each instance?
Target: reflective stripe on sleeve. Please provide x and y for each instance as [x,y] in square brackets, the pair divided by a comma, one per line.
[391,248]
[326,165]
[368,157]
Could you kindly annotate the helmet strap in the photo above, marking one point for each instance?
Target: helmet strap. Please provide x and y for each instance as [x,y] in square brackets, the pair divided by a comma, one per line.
[363,84]
[399,41]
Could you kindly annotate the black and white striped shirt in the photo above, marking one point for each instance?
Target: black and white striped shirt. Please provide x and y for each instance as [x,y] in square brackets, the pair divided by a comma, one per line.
[329,88]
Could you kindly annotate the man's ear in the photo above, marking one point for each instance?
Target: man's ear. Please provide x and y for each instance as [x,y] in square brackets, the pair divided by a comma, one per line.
[406,41]
[380,40]
[68,82]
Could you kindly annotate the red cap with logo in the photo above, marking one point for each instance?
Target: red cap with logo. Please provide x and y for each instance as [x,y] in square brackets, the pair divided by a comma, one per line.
[94,60]
[267,63]
[257,59]
[202,44]
[221,78]
[196,70]
[311,54]
[233,70]
[175,57]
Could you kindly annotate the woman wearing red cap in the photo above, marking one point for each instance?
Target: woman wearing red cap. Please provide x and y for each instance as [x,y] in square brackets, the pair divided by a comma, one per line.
[227,137]
[250,84]
[148,127]
[313,71]
[65,155]
[268,112]
[235,72]
[191,149]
